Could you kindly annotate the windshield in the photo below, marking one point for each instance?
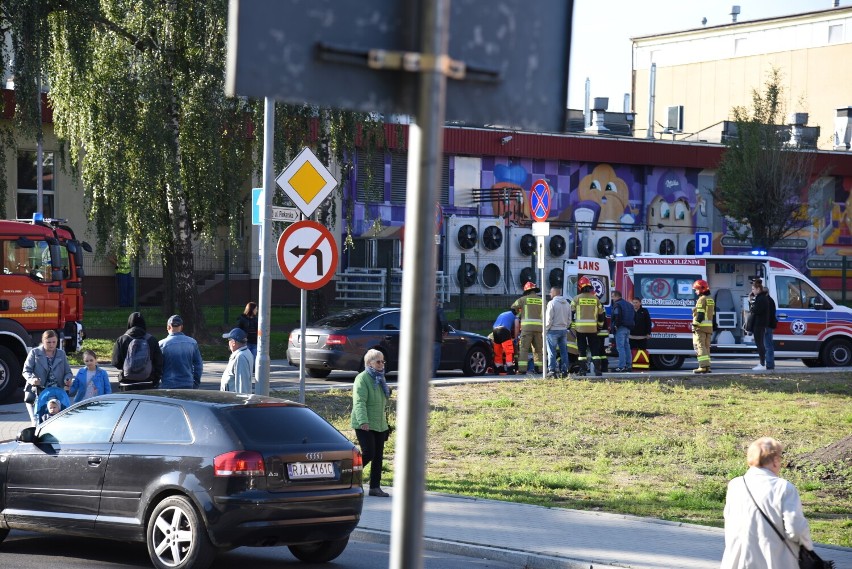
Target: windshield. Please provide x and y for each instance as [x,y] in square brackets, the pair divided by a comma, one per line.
[31,261]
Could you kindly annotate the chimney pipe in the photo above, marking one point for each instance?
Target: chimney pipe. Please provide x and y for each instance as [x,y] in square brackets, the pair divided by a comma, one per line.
[653,85]
[735,11]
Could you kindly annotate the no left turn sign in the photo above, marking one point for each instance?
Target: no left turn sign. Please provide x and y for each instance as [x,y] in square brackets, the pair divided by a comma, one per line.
[307,254]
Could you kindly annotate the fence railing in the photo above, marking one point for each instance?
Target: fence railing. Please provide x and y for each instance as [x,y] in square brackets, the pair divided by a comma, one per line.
[375,287]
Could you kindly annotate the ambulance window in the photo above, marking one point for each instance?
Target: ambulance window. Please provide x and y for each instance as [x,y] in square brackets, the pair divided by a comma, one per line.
[665,289]
[796,293]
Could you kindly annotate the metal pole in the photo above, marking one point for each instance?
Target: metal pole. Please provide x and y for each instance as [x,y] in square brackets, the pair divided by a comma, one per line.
[418,293]
[266,246]
[225,314]
[544,354]
[843,279]
[303,324]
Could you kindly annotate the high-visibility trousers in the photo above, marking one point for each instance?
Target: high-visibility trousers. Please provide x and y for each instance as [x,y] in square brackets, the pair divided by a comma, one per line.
[701,343]
[504,354]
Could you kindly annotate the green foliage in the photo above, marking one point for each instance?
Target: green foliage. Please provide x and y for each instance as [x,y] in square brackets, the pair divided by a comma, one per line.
[762,180]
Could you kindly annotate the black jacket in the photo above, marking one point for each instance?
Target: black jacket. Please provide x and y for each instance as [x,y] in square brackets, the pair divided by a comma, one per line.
[136,329]
[641,323]
[248,324]
[763,312]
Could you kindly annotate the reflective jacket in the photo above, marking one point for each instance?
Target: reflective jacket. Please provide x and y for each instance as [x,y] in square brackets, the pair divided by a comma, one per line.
[588,311]
[530,306]
[703,312]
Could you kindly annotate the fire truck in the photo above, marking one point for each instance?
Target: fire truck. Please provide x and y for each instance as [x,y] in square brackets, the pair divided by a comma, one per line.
[41,288]
[811,326]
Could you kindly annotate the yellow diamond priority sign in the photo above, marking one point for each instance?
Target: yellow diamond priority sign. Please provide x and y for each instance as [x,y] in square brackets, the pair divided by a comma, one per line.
[306,181]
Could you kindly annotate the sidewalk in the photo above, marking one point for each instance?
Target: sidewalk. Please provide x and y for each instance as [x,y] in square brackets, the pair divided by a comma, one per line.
[536,537]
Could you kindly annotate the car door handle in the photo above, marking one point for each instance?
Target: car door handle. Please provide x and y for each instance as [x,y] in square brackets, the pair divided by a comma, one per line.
[782,315]
[94,461]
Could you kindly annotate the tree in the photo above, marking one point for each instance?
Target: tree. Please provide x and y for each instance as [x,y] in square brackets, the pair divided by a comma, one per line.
[138,97]
[762,177]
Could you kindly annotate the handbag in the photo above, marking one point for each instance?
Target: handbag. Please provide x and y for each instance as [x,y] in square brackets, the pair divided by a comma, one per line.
[29,393]
[808,559]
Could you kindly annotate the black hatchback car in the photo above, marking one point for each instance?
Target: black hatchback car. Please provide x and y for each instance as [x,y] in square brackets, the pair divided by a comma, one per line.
[189,473]
[340,341]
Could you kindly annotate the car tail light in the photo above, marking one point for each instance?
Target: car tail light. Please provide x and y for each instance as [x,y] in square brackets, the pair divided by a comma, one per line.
[293,337]
[357,460]
[239,463]
[335,340]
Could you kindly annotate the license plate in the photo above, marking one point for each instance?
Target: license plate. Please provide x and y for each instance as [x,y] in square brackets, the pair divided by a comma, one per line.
[301,470]
[308,339]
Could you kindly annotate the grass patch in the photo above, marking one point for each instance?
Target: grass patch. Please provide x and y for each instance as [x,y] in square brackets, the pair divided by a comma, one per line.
[657,448]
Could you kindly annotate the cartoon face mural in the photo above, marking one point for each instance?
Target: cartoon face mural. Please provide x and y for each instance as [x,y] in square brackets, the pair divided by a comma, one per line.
[603,198]
[671,207]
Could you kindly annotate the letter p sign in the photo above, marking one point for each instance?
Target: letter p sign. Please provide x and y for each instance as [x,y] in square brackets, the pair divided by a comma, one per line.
[703,243]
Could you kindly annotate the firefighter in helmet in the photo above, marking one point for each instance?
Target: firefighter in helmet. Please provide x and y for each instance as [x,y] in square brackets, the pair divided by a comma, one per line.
[702,324]
[588,316]
[529,309]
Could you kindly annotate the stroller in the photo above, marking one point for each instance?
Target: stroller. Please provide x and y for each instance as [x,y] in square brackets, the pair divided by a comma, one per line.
[48,393]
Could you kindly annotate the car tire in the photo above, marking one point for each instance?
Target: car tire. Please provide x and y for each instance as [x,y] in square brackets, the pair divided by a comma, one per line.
[475,361]
[837,353]
[667,362]
[10,373]
[176,536]
[320,551]
[318,373]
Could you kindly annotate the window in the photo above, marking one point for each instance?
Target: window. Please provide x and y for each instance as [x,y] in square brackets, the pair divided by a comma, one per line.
[158,422]
[370,177]
[28,184]
[835,33]
[33,261]
[280,424]
[796,293]
[665,289]
[399,177]
[389,321]
[87,423]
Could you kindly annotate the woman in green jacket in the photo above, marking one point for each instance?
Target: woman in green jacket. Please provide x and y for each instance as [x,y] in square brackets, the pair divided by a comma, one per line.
[370,395]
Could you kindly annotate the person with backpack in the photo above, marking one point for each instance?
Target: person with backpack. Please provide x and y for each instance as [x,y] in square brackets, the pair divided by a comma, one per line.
[137,356]
[622,322]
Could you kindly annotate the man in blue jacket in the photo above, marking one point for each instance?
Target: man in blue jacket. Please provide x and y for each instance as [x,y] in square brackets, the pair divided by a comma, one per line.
[182,363]
[622,323]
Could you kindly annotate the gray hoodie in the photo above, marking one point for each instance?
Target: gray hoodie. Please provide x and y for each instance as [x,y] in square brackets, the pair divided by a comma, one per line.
[557,316]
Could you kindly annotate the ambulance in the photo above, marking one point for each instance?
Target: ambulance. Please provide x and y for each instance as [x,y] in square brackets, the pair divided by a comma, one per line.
[811,327]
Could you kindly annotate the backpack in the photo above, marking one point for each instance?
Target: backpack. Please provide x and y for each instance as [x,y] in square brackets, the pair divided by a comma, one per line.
[137,363]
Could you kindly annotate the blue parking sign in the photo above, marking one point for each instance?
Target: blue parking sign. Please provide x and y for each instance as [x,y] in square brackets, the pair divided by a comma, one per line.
[703,243]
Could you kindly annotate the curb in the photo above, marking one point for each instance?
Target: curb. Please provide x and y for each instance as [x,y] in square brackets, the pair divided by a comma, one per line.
[524,559]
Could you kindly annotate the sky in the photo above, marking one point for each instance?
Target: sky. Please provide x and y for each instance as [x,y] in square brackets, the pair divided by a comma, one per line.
[600,44]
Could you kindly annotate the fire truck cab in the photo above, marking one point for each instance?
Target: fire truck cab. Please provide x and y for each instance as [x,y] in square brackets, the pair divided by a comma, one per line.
[40,289]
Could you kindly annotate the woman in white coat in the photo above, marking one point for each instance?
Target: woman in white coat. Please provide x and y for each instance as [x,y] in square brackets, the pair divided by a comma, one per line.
[750,542]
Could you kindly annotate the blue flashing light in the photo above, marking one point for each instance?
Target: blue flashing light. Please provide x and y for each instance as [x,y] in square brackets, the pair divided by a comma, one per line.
[758,252]
[38,217]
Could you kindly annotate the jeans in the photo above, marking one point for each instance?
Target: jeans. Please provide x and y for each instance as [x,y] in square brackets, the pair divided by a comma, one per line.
[769,347]
[557,339]
[622,344]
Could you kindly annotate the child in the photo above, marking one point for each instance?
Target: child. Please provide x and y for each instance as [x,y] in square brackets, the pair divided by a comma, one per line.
[90,381]
[53,407]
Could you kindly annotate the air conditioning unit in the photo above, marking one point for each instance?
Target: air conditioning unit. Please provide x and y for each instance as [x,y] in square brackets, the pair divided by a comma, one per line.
[630,243]
[599,243]
[686,244]
[662,243]
[482,242]
[522,245]
[675,119]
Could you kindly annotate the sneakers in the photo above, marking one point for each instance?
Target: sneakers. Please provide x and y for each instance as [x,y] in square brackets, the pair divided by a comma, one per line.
[379,493]
[759,367]
[623,370]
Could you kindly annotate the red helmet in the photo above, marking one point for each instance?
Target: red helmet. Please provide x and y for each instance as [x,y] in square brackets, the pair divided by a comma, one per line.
[701,286]
[530,286]
[582,283]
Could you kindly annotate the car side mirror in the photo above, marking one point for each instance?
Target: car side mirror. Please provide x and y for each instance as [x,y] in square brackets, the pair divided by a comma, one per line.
[26,436]
[819,303]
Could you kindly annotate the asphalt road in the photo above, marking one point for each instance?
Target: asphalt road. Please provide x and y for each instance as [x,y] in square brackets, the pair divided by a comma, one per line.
[24,550]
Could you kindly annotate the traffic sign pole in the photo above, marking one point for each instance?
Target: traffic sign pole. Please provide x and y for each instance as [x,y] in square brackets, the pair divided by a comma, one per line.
[265,296]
